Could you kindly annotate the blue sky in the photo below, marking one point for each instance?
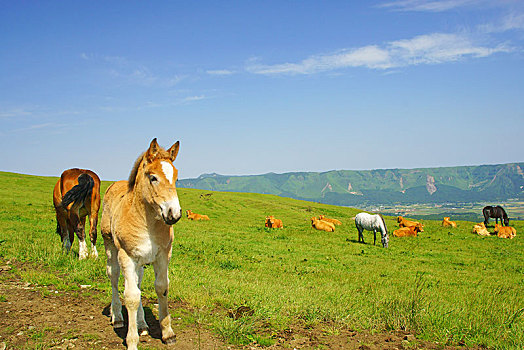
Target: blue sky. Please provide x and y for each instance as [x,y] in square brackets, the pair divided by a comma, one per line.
[260,86]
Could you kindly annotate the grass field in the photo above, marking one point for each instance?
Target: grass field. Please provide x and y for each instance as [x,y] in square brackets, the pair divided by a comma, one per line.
[447,285]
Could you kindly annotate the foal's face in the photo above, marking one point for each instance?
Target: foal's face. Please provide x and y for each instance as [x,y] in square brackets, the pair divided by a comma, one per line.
[160,191]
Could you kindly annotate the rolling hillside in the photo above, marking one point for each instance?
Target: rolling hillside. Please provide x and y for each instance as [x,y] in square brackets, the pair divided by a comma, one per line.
[446,285]
[382,186]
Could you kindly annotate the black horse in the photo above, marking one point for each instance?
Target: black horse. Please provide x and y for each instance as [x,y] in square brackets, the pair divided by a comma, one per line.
[495,212]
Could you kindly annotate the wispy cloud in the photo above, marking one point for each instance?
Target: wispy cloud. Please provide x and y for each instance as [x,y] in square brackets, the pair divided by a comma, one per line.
[55,127]
[424,49]
[513,21]
[193,98]
[15,112]
[220,72]
[429,5]
[132,72]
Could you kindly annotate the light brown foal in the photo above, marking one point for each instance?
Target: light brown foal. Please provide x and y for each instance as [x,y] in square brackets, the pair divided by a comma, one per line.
[136,227]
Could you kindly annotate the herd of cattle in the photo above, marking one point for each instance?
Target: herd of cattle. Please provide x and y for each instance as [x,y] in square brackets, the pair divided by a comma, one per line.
[407,228]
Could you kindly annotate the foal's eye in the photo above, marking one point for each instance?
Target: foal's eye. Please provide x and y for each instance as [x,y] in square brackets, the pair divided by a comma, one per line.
[153,179]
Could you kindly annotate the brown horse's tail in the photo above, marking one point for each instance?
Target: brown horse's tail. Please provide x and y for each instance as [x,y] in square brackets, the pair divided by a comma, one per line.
[80,192]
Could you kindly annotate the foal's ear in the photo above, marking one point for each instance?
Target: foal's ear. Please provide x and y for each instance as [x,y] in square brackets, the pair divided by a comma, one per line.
[173,151]
[152,151]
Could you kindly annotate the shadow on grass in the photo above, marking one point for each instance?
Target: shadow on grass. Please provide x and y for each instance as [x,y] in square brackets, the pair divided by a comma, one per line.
[152,322]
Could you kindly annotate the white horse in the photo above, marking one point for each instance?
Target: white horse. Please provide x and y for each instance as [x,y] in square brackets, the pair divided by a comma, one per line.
[365,221]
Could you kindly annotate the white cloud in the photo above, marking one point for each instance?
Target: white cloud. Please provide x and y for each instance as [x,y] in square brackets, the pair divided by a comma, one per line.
[513,21]
[220,72]
[429,5]
[424,49]
[193,98]
[438,48]
[15,112]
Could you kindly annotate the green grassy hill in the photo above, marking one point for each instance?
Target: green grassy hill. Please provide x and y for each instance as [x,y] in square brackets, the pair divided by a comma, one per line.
[447,285]
[352,188]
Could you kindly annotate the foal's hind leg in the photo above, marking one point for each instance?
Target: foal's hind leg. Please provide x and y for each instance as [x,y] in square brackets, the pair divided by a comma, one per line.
[143,328]
[162,288]
[113,272]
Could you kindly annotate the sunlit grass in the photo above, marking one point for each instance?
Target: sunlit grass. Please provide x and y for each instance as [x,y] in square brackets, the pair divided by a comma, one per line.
[446,285]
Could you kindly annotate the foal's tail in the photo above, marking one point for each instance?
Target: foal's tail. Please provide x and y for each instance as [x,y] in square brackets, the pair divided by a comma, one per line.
[80,192]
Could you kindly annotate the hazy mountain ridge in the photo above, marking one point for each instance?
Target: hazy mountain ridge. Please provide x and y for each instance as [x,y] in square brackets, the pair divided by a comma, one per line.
[381,186]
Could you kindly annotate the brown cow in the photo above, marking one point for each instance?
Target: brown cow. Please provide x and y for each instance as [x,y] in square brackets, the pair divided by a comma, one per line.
[448,223]
[334,221]
[271,222]
[402,222]
[505,231]
[195,216]
[322,225]
[266,224]
[408,231]
[481,230]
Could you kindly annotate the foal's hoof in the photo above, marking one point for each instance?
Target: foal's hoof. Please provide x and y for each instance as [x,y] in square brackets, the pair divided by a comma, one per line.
[143,331]
[118,324]
[170,340]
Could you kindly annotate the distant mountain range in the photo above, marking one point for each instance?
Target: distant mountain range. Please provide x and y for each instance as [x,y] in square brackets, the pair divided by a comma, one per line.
[383,186]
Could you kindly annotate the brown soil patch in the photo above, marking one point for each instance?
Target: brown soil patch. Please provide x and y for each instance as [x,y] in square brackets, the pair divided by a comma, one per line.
[36,317]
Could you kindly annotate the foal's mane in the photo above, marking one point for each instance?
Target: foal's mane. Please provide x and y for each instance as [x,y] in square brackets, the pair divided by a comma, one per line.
[161,154]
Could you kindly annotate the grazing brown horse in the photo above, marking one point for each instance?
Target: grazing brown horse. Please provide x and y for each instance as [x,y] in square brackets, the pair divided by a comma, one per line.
[75,196]
[136,227]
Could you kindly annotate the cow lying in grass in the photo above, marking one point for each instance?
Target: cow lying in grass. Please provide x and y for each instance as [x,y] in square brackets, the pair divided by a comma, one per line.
[322,225]
[505,231]
[402,222]
[446,222]
[195,216]
[333,221]
[271,222]
[409,231]
[481,230]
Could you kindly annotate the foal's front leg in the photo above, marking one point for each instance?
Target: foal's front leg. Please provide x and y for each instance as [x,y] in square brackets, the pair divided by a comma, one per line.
[130,270]
[162,288]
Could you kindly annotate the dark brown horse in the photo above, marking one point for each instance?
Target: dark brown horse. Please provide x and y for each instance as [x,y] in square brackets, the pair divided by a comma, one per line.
[75,196]
[496,212]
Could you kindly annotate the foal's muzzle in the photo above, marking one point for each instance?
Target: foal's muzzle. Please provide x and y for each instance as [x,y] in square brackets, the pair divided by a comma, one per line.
[172,218]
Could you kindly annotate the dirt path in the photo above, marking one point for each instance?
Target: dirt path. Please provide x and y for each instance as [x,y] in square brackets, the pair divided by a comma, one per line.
[35,317]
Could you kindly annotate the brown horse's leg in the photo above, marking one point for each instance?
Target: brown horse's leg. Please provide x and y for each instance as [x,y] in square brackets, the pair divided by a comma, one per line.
[81,234]
[70,229]
[61,218]
[78,225]
[93,221]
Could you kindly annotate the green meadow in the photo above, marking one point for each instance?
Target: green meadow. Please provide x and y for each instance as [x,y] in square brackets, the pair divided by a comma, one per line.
[447,285]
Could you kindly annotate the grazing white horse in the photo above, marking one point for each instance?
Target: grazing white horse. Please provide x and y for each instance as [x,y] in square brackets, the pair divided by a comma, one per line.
[136,227]
[365,221]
